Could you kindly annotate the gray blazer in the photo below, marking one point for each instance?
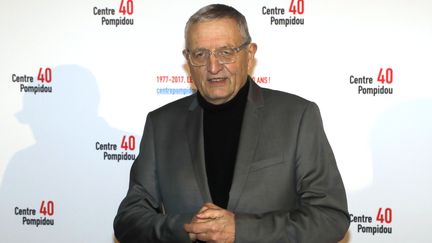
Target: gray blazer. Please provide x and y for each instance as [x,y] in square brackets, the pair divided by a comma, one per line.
[286,185]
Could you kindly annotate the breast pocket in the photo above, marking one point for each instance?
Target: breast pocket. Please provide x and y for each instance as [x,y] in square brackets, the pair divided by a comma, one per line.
[264,164]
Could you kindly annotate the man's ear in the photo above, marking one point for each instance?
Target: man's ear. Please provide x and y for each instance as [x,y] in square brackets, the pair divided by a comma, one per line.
[251,50]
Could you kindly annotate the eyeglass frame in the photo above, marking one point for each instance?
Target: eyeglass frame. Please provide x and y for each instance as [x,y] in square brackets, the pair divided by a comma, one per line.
[186,53]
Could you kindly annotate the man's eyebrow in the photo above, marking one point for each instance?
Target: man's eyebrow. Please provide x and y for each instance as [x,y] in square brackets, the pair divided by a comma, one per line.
[224,46]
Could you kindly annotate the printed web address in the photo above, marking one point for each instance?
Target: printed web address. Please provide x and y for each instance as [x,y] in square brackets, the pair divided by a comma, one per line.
[174,91]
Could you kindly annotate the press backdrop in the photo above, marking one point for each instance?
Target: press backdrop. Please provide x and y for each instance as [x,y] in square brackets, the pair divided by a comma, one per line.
[77,79]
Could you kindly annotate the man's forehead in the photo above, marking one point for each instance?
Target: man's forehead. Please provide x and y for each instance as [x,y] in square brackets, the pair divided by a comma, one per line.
[215,30]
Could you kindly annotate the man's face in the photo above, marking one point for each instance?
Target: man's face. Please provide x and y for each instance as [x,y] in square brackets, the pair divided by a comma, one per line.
[219,83]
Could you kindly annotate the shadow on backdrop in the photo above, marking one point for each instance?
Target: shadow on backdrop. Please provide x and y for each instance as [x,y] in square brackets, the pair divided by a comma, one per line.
[402,155]
[64,167]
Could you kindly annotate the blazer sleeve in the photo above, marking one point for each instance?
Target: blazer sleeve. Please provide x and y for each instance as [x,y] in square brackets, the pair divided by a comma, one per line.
[322,214]
[140,217]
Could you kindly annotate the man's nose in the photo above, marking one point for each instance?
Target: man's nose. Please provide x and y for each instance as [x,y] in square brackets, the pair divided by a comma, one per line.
[213,65]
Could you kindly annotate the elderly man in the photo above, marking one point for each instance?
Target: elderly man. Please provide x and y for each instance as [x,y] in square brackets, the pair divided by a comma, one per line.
[233,162]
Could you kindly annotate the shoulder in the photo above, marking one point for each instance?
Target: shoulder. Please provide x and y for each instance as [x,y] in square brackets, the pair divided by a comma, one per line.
[271,94]
[280,100]
[177,108]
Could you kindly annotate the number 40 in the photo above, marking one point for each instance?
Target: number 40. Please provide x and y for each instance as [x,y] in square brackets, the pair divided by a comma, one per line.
[45,75]
[297,8]
[128,9]
[385,77]
[384,215]
[129,143]
[47,209]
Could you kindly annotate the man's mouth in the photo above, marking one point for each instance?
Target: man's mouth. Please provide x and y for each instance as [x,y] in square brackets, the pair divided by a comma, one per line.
[214,80]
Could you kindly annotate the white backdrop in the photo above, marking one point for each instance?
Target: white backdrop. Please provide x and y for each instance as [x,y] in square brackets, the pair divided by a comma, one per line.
[65,155]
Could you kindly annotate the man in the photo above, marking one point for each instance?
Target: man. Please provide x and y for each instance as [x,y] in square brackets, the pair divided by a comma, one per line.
[233,162]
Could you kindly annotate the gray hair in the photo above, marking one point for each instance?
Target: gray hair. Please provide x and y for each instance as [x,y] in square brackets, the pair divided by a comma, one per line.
[219,11]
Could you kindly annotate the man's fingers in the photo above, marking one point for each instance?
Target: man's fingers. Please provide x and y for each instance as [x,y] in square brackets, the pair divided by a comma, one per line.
[211,214]
[204,208]
[204,227]
[192,236]
[211,205]
[209,237]
[194,228]
[201,220]
[212,224]
[197,228]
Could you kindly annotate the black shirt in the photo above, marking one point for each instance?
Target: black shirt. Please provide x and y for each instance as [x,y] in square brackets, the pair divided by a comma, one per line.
[222,126]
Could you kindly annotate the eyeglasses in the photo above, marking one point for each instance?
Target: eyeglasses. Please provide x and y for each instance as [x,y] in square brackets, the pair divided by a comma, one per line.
[224,55]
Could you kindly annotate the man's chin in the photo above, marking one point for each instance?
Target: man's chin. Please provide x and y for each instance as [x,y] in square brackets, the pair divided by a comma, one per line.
[219,99]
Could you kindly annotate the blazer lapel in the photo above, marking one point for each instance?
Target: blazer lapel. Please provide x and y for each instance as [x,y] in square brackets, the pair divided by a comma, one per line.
[248,141]
[196,145]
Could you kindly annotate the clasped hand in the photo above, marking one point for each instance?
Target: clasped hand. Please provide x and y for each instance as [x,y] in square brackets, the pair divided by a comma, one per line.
[212,224]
